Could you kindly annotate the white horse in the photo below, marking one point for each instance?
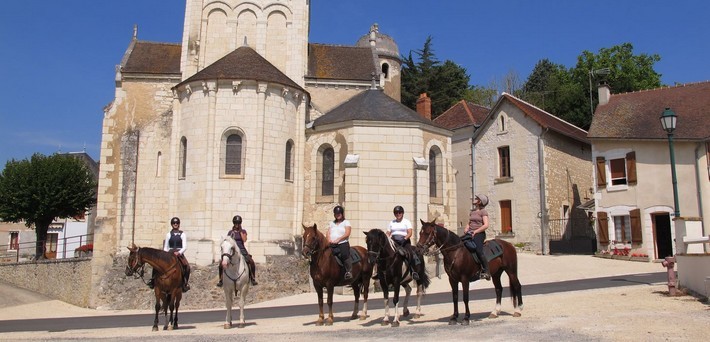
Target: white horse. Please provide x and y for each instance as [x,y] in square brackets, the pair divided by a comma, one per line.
[236,279]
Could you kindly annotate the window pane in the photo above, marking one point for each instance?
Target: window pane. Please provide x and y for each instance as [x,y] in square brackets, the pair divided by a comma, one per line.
[328,172]
[287,161]
[618,171]
[183,158]
[432,173]
[622,228]
[233,157]
[504,157]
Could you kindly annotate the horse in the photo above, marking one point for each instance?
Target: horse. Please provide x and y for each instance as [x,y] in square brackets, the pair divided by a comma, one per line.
[327,273]
[236,270]
[394,271]
[168,280]
[461,268]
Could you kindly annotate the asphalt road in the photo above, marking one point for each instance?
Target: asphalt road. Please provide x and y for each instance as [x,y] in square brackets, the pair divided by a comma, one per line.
[217,315]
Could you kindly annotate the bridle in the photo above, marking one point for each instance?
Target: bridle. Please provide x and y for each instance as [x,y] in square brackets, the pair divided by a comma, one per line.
[313,247]
[233,251]
[137,267]
[433,239]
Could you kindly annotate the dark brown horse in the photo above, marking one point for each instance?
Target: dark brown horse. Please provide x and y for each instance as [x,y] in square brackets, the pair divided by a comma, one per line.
[327,273]
[394,272]
[168,280]
[461,268]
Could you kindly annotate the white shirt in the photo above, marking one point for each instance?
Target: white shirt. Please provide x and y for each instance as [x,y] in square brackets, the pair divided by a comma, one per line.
[166,243]
[338,230]
[399,228]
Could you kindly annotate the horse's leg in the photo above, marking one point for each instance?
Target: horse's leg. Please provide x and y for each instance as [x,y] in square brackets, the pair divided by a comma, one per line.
[420,296]
[178,297]
[386,296]
[157,309]
[356,306]
[455,298]
[228,293]
[464,289]
[319,292]
[395,300]
[516,291]
[499,294]
[405,307]
[365,290]
[166,304]
[330,289]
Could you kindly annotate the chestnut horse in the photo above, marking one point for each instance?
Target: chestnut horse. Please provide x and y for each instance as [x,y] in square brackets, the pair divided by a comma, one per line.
[393,271]
[236,272]
[327,273]
[461,268]
[168,280]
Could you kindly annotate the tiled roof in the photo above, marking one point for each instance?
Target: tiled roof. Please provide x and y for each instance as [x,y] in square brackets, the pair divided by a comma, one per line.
[636,115]
[340,62]
[242,64]
[547,120]
[372,105]
[152,58]
[462,114]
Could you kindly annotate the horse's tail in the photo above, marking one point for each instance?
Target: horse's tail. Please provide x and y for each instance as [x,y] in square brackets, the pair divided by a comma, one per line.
[424,279]
[510,257]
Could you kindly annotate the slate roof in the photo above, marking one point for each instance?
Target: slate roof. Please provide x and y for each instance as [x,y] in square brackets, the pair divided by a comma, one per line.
[636,115]
[340,62]
[545,119]
[372,105]
[462,114]
[242,64]
[144,57]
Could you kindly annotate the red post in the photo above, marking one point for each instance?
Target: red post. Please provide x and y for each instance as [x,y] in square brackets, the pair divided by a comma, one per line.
[669,264]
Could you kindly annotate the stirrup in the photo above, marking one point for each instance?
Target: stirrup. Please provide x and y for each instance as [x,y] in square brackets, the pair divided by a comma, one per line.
[185,287]
[415,275]
[376,277]
[151,284]
[485,275]
[348,275]
[253,282]
[219,283]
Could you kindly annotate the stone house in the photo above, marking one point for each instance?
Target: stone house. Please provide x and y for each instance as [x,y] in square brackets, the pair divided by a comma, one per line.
[247,117]
[534,167]
[633,183]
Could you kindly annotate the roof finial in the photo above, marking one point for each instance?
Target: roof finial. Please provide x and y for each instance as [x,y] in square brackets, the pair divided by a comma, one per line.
[245,41]
[135,31]
[373,86]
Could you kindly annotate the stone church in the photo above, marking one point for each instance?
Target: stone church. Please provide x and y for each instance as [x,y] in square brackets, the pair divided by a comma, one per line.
[248,117]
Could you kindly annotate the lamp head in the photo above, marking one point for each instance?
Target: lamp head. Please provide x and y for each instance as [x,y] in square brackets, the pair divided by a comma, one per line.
[668,120]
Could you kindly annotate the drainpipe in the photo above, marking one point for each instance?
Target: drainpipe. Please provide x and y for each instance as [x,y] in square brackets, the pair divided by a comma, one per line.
[473,174]
[699,188]
[544,243]
[135,188]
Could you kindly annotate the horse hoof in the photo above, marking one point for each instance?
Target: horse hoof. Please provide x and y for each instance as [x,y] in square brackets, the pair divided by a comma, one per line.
[395,324]
[240,325]
[384,323]
[155,328]
[227,326]
[363,317]
[517,314]
[492,315]
[354,316]
[165,327]
[405,313]
[465,322]
[319,323]
[329,323]
[453,322]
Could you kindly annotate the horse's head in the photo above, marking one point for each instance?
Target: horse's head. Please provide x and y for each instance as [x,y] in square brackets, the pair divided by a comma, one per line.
[427,235]
[375,240]
[310,240]
[135,262]
[228,249]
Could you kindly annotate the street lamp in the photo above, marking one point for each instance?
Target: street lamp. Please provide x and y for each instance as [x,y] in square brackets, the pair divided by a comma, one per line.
[602,71]
[668,121]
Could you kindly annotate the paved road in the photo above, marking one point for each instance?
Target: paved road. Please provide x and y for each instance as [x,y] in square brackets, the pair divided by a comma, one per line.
[375,302]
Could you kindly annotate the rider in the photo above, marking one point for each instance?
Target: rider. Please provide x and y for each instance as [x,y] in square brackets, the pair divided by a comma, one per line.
[337,235]
[400,231]
[176,242]
[239,235]
[477,225]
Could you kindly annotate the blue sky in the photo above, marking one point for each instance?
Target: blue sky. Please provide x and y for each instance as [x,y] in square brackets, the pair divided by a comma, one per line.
[58,57]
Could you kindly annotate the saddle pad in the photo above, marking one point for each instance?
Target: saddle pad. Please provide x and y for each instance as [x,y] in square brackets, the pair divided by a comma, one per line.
[492,249]
[354,256]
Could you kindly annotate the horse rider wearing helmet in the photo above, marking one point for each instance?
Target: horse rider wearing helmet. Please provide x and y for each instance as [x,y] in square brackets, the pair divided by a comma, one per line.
[176,242]
[400,231]
[477,225]
[239,235]
[337,235]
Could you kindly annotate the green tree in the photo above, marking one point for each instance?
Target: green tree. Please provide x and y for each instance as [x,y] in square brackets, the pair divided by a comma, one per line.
[43,188]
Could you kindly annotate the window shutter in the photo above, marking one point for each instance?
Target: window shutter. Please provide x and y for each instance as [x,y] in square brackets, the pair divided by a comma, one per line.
[636,235]
[601,172]
[631,168]
[603,225]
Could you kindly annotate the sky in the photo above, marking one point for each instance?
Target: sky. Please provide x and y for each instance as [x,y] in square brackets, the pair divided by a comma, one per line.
[58,58]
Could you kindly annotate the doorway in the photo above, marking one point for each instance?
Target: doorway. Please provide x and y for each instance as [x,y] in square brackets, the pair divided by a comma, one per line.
[662,235]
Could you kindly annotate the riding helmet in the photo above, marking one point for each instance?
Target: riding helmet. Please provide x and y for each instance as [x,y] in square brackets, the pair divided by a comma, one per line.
[398,209]
[338,210]
[237,219]
[483,199]
[174,220]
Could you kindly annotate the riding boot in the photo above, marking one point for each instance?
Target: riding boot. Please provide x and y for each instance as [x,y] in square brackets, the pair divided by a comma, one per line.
[348,268]
[219,283]
[485,274]
[252,271]
[186,279]
[151,282]
[412,263]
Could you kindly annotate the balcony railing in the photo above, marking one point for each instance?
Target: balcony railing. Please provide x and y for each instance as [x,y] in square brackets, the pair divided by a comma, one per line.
[64,248]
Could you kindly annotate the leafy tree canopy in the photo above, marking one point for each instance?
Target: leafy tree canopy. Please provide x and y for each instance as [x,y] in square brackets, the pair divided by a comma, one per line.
[42,188]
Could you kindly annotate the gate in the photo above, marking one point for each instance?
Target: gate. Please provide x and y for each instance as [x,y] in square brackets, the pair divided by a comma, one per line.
[572,236]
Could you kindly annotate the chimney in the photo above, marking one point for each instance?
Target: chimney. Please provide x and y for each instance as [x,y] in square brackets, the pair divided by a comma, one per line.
[604,94]
[424,106]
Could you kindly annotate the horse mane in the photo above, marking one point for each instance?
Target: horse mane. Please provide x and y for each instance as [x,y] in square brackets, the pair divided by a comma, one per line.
[158,254]
[379,234]
[451,237]
[230,240]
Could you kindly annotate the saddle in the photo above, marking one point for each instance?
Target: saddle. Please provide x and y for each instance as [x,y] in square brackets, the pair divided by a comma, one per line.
[354,256]
[491,250]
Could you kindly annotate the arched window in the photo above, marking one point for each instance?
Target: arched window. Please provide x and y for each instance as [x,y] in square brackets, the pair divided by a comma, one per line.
[183,158]
[435,173]
[328,172]
[288,162]
[386,70]
[233,155]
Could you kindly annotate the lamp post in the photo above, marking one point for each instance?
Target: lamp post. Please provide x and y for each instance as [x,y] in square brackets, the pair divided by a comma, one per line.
[668,121]
[602,71]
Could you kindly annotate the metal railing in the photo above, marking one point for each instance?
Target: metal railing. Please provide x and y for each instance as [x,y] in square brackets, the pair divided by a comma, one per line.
[64,248]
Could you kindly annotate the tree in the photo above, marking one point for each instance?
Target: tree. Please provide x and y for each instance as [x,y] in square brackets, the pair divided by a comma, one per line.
[43,188]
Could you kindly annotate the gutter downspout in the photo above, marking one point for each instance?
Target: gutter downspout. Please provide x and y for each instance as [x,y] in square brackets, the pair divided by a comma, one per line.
[544,242]
[699,190]
[473,174]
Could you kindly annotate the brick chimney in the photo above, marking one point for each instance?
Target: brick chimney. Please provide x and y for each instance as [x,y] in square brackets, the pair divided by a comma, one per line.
[424,106]
[604,94]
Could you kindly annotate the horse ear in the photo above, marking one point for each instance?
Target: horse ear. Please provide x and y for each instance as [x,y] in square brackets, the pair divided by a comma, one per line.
[315,226]
[422,221]
[132,247]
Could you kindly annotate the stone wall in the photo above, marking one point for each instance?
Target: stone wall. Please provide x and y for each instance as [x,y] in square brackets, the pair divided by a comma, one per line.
[68,280]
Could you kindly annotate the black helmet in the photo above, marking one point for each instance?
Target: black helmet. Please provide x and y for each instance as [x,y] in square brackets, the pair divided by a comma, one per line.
[338,210]
[398,209]
[237,219]
[174,220]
